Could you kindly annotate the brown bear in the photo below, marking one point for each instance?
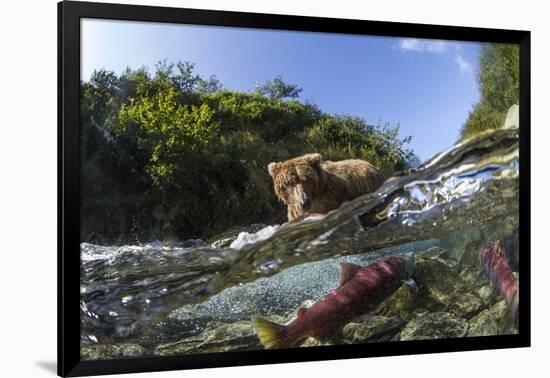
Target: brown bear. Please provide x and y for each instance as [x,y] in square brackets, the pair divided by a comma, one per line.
[308,185]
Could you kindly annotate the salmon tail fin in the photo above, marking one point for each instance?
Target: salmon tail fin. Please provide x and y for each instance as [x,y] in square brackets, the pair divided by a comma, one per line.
[510,320]
[271,335]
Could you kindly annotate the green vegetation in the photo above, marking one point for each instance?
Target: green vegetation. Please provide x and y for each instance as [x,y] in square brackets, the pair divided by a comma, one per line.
[499,86]
[173,155]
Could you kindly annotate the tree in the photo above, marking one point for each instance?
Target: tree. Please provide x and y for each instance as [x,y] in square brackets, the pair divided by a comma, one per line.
[277,89]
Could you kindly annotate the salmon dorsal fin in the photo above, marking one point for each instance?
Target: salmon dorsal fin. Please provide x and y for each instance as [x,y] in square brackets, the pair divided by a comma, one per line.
[301,311]
[348,271]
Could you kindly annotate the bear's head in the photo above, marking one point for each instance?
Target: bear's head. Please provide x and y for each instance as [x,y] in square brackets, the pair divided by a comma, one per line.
[297,181]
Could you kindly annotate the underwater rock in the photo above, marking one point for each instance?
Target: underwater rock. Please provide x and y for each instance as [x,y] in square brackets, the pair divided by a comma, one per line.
[400,304]
[490,321]
[374,329]
[498,310]
[421,311]
[436,325]
[470,258]
[465,305]
[483,324]
[313,342]
[108,351]
[218,337]
[485,293]
[437,281]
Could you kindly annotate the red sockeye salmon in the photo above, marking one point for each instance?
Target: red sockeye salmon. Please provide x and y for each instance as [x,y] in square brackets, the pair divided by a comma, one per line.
[493,259]
[361,290]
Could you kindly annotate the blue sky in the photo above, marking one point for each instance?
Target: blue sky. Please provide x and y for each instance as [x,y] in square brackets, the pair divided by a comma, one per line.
[426,86]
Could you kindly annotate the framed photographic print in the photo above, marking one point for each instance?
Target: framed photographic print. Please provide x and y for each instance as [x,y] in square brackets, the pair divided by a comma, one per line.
[239,188]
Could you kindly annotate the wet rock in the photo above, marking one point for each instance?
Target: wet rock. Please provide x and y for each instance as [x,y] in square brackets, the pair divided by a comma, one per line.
[313,342]
[512,118]
[109,351]
[375,329]
[470,258]
[492,321]
[470,267]
[474,278]
[417,312]
[498,310]
[483,324]
[400,304]
[486,293]
[465,305]
[436,325]
[218,337]
[437,281]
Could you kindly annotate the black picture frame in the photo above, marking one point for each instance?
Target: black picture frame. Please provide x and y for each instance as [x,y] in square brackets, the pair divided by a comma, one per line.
[69,15]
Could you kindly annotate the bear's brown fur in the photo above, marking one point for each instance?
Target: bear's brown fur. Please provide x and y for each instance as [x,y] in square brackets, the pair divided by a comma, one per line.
[308,185]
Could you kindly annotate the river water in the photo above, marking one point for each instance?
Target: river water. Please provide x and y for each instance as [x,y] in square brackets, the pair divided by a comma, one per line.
[159,293]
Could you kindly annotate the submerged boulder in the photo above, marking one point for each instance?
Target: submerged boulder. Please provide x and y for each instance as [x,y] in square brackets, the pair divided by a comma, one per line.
[217,337]
[483,324]
[438,281]
[109,351]
[400,303]
[374,329]
[313,342]
[434,325]
[465,305]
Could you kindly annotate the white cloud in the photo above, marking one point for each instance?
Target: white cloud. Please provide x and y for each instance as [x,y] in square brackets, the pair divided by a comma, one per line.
[423,45]
[463,65]
[436,47]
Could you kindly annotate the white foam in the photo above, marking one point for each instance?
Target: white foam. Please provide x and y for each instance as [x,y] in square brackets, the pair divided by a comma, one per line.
[245,238]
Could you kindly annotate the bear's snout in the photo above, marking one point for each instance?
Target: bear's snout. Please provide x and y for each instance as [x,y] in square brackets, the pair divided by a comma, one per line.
[301,198]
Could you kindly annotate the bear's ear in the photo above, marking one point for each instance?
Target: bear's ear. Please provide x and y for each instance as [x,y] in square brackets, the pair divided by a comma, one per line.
[272,168]
[314,158]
